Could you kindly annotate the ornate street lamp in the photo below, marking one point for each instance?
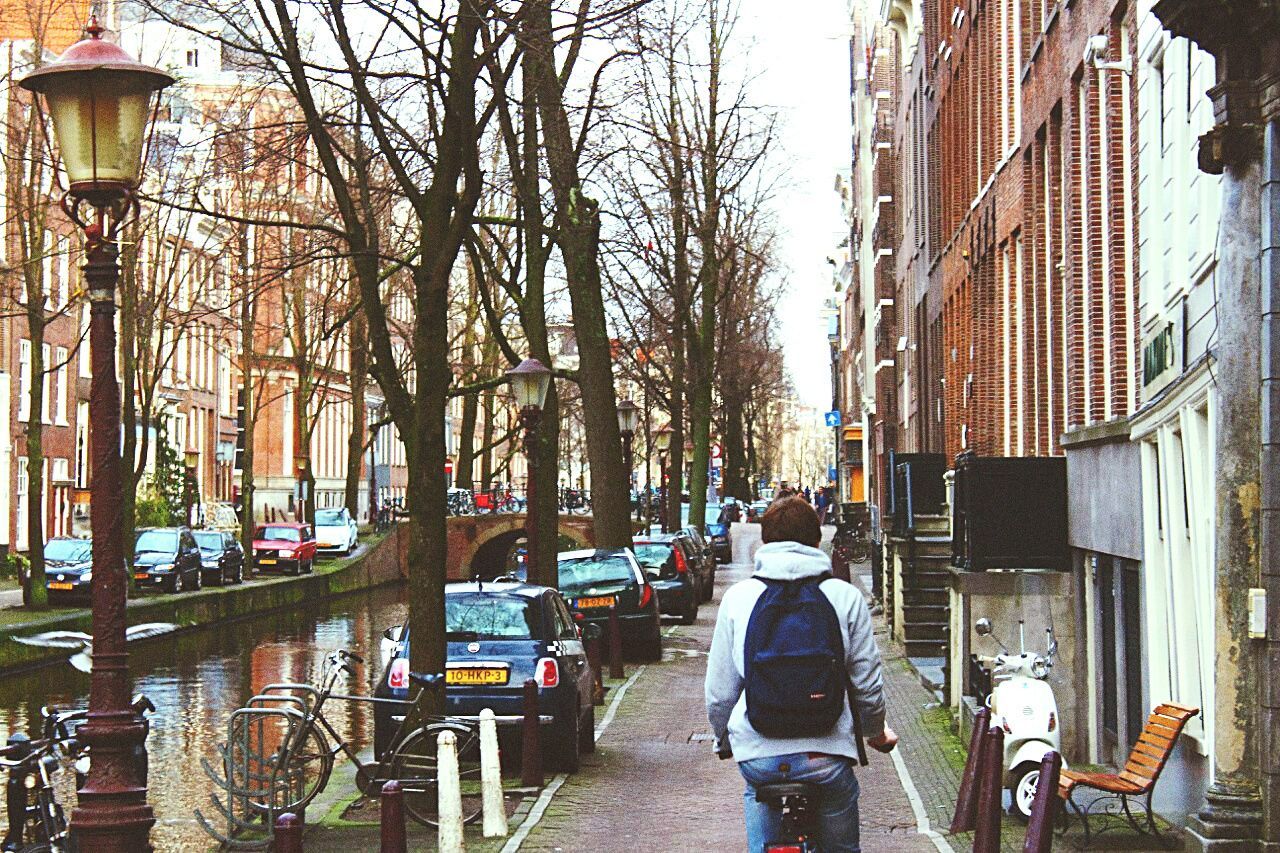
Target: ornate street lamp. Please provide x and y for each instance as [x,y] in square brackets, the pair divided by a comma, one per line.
[300,465]
[628,420]
[191,460]
[529,384]
[662,443]
[100,98]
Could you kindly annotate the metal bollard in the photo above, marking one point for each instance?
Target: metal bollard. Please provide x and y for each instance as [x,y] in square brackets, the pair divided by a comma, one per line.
[495,809]
[1044,807]
[967,799]
[450,792]
[531,746]
[615,646]
[595,661]
[394,836]
[986,838]
[288,834]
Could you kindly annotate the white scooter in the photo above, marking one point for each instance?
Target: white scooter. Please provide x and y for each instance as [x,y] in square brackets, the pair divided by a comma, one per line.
[1022,703]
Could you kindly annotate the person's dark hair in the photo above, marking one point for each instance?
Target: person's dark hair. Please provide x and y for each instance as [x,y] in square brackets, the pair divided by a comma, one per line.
[791,519]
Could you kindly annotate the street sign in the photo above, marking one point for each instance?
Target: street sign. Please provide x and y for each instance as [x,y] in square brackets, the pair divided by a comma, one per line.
[831,472]
[716,451]
[832,418]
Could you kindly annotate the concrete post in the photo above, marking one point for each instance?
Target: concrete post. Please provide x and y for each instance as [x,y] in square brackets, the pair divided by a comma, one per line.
[495,810]
[966,816]
[986,838]
[288,834]
[450,793]
[531,747]
[394,836]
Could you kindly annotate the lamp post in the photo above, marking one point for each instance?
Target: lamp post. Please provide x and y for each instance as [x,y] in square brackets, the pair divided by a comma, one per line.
[99,98]
[662,443]
[529,383]
[190,460]
[300,464]
[376,412]
[628,420]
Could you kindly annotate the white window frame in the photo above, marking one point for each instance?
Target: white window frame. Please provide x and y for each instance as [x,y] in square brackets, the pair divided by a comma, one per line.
[60,410]
[24,380]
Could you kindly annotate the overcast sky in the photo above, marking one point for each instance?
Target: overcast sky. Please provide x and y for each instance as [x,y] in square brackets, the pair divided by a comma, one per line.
[801,53]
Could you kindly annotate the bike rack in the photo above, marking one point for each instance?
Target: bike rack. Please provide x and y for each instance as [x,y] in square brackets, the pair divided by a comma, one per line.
[254,784]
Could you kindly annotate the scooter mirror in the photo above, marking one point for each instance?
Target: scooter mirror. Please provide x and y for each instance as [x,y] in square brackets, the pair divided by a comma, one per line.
[982,627]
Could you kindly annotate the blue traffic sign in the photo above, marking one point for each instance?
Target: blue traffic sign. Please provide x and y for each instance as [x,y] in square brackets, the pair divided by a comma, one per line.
[832,418]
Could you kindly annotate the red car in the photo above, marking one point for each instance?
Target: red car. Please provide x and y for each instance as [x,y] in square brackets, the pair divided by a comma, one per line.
[285,546]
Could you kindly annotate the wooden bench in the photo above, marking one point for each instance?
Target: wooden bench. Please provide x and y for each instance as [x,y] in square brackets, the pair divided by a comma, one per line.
[1137,779]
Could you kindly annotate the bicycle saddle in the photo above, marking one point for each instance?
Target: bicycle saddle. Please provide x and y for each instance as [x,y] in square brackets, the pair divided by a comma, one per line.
[777,791]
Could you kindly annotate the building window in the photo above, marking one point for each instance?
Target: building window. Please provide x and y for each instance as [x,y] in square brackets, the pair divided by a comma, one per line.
[193,57]
[60,411]
[85,370]
[24,380]
[82,446]
[46,371]
[24,483]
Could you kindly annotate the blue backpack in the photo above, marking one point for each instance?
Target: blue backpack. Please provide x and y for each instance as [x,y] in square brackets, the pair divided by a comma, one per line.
[794,656]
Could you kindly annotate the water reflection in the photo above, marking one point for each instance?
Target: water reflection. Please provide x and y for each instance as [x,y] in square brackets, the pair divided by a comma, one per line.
[196,680]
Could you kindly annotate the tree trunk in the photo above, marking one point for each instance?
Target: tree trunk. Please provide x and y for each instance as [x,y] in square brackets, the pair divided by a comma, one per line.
[577,220]
[359,415]
[248,399]
[35,595]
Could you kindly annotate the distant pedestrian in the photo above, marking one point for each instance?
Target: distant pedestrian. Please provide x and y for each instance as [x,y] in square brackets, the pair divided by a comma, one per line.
[775,619]
[822,503]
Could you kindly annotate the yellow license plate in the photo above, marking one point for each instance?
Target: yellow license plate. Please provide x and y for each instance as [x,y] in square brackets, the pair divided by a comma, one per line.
[596,601]
[476,675]
[62,586]
[140,576]
[266,562]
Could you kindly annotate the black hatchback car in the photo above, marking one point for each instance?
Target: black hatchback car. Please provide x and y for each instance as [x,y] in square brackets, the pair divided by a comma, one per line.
[720,544]
[666,562]
[221,557]
[67,566]
[499,635]
[592,581]
[168,558]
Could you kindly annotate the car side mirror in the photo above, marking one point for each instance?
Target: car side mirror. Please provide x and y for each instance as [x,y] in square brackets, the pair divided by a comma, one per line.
[393,633]
[592,631]
[982,627]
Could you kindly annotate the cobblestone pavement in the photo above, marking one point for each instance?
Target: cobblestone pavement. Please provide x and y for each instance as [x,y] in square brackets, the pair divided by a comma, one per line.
[653,784]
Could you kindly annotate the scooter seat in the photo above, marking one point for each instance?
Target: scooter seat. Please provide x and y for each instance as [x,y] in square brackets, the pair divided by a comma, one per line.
[777,791]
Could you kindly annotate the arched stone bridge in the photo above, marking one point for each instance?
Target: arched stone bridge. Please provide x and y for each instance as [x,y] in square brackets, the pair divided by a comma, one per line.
[479,544]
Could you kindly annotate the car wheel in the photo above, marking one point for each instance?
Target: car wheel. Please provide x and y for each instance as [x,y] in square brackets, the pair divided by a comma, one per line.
[566,742]
[198,574]
[587,733]
[240,573]
[692,596]
[651,649]
[310,564]
[177,584]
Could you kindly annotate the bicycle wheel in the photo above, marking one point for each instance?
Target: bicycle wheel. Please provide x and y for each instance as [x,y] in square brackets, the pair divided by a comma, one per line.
[414,766]
[304,773]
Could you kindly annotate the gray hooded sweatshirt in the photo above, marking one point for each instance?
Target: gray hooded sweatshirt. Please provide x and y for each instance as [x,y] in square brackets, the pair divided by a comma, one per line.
[725,694]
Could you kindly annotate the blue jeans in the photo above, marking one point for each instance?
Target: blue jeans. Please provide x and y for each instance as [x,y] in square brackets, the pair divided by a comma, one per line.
[837,811]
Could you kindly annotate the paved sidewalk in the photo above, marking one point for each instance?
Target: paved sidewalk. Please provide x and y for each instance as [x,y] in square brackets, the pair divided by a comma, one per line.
[654,784]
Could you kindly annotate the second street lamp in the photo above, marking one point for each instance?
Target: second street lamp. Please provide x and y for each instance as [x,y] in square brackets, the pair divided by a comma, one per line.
[190,486]
[662,443]
[529,384]
[628,420]
[100,98]
[300,464]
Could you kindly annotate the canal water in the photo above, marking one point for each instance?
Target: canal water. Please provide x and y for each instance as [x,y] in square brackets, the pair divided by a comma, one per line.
[198,678]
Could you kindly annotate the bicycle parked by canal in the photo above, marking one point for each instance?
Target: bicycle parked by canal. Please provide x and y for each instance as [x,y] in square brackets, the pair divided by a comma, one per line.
[281,751]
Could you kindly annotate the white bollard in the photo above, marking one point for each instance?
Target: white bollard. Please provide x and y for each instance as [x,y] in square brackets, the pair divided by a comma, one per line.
[495,810]
[450,793]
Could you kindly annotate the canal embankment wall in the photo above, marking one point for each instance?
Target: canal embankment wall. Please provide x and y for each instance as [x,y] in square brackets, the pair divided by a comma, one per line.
[383,561]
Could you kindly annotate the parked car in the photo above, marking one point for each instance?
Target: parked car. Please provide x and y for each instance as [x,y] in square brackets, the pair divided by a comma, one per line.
[286,546]
[705,562]
[67,566]
[221,557]
[592,581]
[168,558]
[666,564]
[720,544]
[336,531]
[499,634]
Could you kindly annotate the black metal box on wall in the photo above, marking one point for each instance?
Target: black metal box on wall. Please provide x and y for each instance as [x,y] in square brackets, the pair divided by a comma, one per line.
[1010,513]
[916,487]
